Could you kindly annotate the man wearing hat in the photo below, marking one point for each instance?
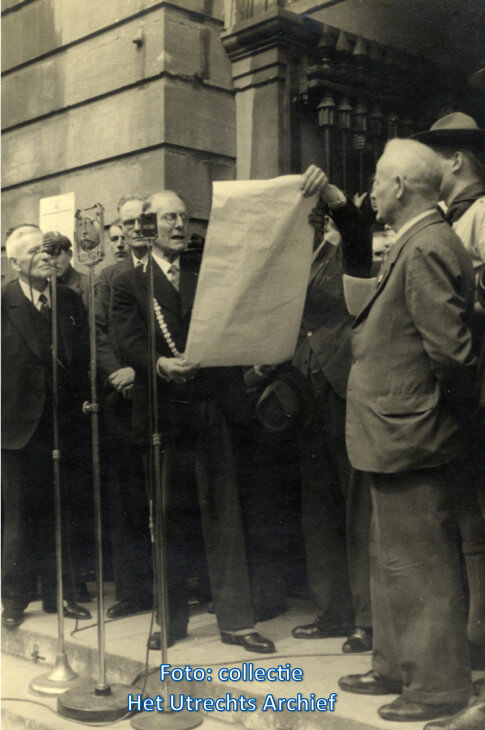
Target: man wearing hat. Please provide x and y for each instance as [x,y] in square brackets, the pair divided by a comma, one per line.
[66,273]
[460,146]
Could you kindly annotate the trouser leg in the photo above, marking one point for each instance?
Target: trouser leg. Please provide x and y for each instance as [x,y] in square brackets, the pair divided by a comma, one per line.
[216,476]
[132,554]
[19,559]
[417,595]
[325,471]
[359,510]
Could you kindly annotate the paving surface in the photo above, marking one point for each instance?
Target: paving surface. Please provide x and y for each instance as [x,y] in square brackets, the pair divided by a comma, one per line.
[322,663]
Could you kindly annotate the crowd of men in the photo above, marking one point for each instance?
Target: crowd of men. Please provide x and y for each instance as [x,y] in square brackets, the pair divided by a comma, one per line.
[384,395]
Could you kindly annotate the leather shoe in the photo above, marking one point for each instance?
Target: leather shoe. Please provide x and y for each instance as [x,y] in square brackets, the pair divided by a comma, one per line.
[371,683]
[471,718]
[403,710]
[318,630]
[71,610]
[251,642]
[358,640]
[128,608]
[155,642]
[11,618]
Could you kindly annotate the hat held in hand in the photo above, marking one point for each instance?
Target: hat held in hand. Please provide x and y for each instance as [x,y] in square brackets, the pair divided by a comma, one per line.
[287,403]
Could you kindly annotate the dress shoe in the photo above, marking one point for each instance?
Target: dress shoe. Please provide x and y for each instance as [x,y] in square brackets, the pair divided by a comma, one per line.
[251,642]
[155,642]
[71,610]
[371,683]
[128,608]
[318,630]
[11,618]
[358,640]
[471,718]
[403,710]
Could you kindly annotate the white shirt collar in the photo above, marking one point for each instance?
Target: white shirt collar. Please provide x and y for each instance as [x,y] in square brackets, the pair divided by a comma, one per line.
[135,260]
[33,295]
[414,220]
[162,262]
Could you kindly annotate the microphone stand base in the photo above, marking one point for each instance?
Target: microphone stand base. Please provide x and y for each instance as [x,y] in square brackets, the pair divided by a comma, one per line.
[83,704]
[167,720]
[60,679]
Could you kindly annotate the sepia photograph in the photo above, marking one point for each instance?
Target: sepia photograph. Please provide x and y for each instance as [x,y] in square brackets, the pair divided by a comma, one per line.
[243,364]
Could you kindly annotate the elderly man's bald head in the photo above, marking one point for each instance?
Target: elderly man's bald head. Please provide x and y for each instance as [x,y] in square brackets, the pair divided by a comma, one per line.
[408,179]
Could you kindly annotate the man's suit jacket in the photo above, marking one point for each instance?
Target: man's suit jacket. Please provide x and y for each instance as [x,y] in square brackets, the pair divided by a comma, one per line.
[326,323]
[26,373]
[130,317]
[77,282]
[107,353]
[412,354]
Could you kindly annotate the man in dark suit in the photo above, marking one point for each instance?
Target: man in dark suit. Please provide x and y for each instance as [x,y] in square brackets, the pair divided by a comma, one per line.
[27,423]
[408,388]
[195,406]
[132,555]
[335,504]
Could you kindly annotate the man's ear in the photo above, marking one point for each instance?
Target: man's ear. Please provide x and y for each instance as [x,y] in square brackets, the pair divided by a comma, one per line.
[400,186]
[457,161]
[13,263]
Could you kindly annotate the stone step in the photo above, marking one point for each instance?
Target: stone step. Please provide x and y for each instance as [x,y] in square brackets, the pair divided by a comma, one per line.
[321,660]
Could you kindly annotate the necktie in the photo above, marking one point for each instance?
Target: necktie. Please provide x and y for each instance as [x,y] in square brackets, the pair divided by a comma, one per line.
[173,275]
[139,265]
[44,307]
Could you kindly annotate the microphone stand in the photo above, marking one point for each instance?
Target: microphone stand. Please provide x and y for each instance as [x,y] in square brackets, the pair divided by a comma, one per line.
[168,719]
[61,677]
[95,701]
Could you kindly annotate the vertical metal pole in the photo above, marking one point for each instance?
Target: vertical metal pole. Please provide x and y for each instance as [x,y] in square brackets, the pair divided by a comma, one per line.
[61,677]
[160,486]
[102,687]
[56,455]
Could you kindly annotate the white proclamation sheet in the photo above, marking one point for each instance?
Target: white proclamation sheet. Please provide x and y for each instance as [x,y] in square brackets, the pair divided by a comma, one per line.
[254,274]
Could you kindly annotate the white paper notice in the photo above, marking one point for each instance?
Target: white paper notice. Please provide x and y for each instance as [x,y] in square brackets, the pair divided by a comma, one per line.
[57,214]
[254,275]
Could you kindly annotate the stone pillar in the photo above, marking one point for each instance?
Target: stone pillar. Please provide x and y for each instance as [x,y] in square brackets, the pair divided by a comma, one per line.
[267,51]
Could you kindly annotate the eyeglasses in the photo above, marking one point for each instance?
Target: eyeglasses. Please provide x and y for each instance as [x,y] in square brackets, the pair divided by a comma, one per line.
[171,218]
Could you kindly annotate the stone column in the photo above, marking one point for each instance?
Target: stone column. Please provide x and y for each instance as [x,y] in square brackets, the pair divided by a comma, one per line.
[266,52]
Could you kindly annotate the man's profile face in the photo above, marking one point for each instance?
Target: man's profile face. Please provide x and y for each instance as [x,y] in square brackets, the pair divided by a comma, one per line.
[130,219]
[62,262]
[171,222]
[448,178]
[117,243]
[383,192]
[29,260]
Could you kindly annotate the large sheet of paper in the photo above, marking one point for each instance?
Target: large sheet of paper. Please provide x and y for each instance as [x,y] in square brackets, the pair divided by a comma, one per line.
[252,284]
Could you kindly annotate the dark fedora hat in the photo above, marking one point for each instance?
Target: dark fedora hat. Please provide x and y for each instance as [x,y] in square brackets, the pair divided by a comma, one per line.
[453,129]
[287,403]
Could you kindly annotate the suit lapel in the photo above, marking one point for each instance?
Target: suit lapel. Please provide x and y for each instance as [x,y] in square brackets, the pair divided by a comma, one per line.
[392,257]
[65,325]
[188,285]
[19,309]
[166,294]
